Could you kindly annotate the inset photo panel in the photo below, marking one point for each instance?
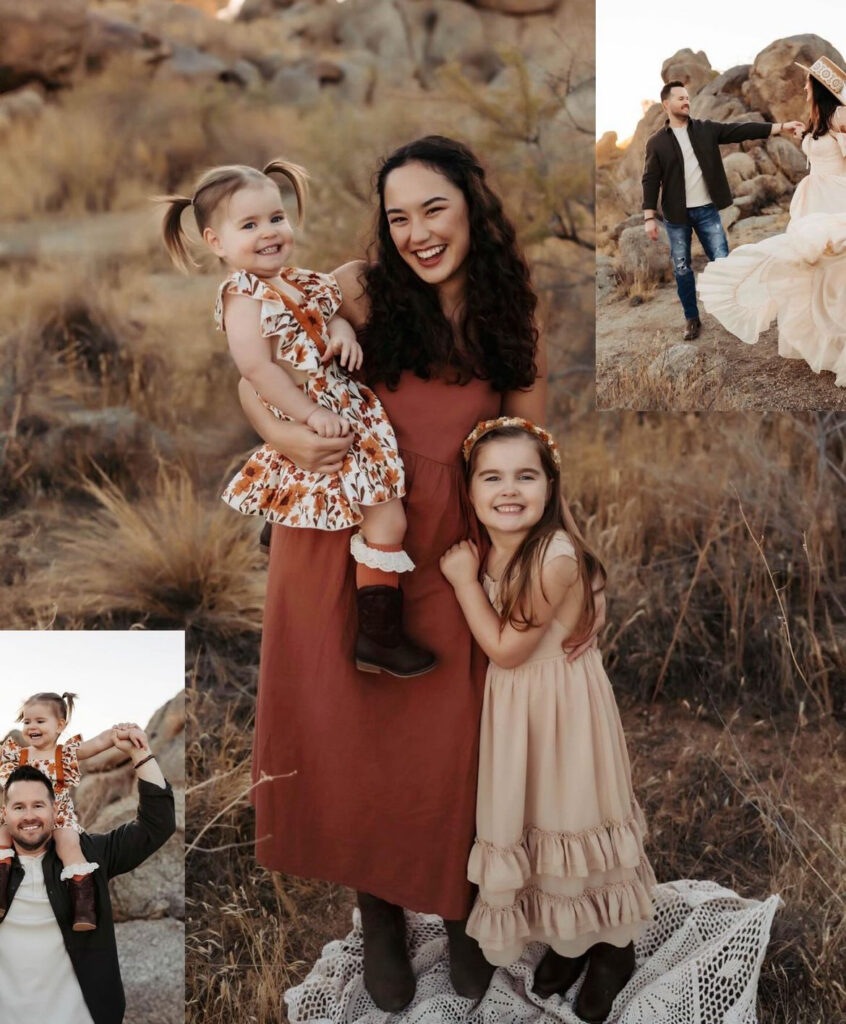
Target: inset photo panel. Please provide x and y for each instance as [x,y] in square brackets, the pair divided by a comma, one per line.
[92,784]
[721,209]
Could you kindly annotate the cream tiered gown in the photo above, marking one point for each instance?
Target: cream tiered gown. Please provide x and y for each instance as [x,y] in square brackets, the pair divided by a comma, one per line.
[798,278]
[558,856]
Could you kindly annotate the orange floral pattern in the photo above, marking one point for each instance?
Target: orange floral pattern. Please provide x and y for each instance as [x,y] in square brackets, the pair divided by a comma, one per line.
[10,758]
[271,485]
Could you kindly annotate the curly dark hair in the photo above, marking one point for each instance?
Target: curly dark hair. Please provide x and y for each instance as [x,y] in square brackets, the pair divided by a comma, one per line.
[823,106]
[406,328]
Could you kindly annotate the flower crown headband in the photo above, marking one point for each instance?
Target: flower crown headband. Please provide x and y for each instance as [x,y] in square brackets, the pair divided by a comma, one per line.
[486,426]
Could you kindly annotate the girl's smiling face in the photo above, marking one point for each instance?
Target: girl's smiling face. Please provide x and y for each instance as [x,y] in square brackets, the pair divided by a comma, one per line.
[251,232]
[41,725]
[509,488]
[429,222]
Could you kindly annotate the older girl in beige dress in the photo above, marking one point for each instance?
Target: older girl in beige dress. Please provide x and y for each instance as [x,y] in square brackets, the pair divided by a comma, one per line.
[559,855]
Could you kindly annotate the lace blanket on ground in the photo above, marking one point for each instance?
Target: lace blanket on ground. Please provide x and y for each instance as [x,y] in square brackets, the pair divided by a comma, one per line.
[698,963]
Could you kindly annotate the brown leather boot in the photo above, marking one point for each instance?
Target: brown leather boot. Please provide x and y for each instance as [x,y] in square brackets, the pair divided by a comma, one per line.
[381,645]
[83,903]
[609,968]
[556,973]
[692,329]
[469,971]
[5,875]
[388,977]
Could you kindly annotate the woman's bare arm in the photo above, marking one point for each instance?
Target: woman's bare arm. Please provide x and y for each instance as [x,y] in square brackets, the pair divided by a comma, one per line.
[531,402]
[355,306]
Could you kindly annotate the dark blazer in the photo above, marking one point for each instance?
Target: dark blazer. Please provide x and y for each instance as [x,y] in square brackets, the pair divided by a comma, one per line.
[94,954]
[664,166]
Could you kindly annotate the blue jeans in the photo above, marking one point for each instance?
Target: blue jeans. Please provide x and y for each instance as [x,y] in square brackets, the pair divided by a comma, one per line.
[705,221]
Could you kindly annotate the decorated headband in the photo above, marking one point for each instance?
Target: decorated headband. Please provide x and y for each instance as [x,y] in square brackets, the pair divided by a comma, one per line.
[486,426]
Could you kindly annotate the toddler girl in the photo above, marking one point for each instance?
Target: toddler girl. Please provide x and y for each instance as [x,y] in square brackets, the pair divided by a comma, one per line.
[559,855]
[283,332]
[43,718]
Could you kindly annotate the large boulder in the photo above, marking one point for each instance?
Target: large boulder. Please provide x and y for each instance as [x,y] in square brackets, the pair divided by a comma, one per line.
[41,41]
[641,260]
[454,33]
[787,157]
[155,888]
[729,83]
[775,86]
[692,69]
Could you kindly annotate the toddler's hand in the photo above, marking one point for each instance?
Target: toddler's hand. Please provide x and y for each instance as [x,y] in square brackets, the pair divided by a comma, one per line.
[327,423]
[460,564]
[343,344]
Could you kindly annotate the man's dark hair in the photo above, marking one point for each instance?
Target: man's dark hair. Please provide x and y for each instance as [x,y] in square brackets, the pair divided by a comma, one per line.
[668,88]
[26,773]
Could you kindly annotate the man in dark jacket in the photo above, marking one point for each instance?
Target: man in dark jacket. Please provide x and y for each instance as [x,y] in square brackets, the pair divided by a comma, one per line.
[48,972]
[683,162]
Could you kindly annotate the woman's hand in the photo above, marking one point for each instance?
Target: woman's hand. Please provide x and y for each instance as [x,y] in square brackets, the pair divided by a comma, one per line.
[598,623]
[460,564]
[327,423]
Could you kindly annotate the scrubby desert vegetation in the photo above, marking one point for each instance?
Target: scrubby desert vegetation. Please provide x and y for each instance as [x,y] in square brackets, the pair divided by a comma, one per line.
[724,537]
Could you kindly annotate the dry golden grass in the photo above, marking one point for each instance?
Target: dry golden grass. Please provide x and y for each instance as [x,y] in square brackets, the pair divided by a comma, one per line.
[171,560]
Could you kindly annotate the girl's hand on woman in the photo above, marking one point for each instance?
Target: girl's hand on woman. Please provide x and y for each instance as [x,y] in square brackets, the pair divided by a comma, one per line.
[327,423]
[296,441]
[343,344]
[460,564]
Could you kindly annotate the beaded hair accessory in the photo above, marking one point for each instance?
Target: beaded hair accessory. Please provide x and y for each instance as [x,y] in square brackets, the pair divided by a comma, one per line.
[486,426]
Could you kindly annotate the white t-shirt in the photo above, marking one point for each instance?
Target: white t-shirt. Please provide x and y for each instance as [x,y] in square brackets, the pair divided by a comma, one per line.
[695,189]
[37,981]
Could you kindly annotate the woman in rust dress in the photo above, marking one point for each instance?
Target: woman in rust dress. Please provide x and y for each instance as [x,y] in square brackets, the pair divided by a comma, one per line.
[376,782]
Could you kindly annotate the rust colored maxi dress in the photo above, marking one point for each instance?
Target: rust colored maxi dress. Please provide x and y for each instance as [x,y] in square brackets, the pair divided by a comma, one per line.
[384,795]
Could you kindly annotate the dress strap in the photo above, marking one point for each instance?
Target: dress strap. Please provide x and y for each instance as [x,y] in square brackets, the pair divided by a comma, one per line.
[60,768]
[24,755]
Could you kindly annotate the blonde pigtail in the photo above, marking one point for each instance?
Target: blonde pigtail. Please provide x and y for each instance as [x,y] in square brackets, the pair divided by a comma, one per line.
[173,234]
[298,177]
[69,699]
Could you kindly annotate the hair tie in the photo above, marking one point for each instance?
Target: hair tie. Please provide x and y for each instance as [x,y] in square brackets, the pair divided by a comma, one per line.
[486,426]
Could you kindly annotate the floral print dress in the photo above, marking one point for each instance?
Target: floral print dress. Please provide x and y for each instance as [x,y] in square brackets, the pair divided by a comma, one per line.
[62,771]
[295,318]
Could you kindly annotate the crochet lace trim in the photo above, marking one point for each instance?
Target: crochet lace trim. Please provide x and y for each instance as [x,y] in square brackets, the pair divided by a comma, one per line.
[387,561]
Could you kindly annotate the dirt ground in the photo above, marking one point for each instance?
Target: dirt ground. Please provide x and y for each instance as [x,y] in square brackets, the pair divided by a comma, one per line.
[634,370]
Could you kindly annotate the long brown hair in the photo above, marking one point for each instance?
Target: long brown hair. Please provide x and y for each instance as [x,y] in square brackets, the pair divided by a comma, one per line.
[823,106]
[525,564]
[62,704]
[212,188]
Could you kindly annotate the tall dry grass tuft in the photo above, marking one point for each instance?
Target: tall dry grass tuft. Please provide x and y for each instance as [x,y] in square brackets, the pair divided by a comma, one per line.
[726,553]
[171,560]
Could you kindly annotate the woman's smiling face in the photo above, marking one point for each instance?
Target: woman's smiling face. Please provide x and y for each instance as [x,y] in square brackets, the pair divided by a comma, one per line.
[429,222]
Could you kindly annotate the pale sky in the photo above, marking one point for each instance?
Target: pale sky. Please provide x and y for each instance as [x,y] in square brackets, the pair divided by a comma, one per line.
[120,676]
[634,40]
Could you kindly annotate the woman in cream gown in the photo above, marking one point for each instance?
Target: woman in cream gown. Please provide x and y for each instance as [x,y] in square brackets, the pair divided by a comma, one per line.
[798,278]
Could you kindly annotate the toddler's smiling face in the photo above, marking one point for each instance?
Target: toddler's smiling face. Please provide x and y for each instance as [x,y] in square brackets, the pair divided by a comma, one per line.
[41,726]
[251,232]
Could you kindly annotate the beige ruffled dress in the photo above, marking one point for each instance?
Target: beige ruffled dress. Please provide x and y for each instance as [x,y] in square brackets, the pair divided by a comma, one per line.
[797,278]
[559,855]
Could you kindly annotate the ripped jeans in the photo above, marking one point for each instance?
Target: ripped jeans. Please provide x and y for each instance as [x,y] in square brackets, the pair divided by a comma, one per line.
[705,221]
